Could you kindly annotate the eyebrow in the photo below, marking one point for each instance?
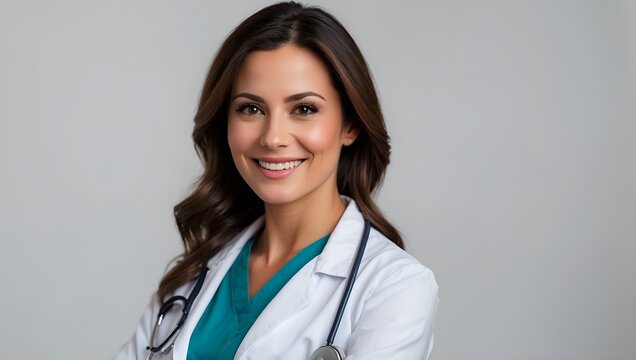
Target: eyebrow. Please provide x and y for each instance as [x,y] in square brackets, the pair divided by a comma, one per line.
[290,98]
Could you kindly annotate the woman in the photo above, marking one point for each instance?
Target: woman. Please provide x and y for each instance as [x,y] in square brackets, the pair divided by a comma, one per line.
[293,142]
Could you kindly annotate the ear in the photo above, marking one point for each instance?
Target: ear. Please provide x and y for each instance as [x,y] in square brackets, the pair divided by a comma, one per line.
[349,134]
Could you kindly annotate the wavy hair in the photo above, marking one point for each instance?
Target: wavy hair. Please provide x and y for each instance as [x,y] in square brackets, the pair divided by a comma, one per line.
[222,204]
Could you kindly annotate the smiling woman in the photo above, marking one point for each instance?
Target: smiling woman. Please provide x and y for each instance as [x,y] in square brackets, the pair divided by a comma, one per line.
[286,254]
[295,127]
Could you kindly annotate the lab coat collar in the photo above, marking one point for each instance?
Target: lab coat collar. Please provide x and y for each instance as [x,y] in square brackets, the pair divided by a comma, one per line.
[335,260]
[337,256]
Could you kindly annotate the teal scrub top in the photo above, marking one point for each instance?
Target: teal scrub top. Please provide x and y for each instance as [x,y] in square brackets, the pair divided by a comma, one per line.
[231,313]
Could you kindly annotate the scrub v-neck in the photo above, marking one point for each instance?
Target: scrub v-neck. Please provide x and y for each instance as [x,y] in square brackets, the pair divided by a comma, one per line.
[231,313]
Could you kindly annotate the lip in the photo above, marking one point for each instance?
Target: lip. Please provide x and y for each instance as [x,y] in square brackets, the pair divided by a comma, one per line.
[277,174]
[278,159]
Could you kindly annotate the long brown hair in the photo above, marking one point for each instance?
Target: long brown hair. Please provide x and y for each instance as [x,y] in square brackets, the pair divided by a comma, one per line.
[222,204]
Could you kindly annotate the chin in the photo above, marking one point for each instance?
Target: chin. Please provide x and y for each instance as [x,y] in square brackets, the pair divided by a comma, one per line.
[277,199]
[277,196]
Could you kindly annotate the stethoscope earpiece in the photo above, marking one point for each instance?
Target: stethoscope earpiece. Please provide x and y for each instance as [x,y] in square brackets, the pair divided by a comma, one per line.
[327,352]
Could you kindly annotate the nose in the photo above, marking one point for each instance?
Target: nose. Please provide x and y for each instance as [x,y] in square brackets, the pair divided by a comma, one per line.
[275,132]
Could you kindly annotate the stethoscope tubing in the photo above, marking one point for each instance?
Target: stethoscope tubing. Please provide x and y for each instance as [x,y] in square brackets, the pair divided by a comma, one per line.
[334,327]
[350,281]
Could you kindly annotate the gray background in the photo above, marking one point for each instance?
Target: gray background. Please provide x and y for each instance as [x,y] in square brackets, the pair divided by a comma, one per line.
[514,163]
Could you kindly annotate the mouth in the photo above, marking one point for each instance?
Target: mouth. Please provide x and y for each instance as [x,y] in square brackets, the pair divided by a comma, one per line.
[277,168]
[278,165]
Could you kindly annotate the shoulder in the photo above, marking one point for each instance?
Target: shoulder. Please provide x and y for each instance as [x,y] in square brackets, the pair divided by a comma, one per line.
[386,265]
[397,303]
[382,253]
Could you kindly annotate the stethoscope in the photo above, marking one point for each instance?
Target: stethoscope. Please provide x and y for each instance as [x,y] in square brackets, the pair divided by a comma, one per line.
[325,352]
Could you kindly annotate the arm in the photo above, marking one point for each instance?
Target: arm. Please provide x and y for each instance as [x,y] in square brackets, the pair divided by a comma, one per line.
[397,320]
[135,348]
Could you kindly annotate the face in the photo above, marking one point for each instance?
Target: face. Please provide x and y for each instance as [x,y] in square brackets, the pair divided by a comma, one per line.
[285,125]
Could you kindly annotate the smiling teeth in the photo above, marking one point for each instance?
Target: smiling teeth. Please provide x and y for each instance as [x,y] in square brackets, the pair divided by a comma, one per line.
[280,165]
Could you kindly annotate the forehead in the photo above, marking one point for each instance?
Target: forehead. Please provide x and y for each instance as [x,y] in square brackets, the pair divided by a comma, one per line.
[283,71]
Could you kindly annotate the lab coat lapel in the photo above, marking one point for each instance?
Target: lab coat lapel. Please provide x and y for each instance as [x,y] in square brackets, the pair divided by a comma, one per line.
[219,266]
[291,299]
[335,260]
[337,257]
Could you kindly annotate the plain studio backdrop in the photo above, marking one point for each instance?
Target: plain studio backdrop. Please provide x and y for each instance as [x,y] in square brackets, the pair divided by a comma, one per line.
[513,170]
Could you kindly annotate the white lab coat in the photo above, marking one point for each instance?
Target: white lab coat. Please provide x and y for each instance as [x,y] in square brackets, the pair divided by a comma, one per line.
[390,313]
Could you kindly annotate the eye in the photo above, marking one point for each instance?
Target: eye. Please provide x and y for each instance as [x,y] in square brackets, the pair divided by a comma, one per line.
[305,109]
[249,109]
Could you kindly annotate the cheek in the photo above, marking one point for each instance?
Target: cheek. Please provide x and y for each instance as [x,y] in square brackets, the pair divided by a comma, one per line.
[323,137]
[238,137]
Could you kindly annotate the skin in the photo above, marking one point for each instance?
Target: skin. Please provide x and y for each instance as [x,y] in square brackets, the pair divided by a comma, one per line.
[269,119]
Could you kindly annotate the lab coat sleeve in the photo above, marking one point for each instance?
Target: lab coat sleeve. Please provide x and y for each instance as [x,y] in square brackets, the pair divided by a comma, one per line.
[135,348]
[397,319]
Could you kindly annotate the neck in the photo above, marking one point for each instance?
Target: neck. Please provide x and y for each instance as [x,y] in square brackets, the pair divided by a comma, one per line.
[291,227]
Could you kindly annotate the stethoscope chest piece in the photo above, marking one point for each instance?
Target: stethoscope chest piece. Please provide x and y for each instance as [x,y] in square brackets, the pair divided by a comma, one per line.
[327,352]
